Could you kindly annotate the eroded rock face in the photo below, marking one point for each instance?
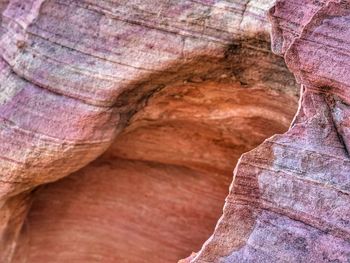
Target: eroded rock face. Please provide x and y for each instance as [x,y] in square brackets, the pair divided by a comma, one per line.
[74,72]
[93,66]
[157,193]
[78,75]
[291,193]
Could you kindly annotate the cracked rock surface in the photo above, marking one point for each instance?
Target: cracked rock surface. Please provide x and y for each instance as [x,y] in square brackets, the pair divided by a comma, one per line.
[293,190]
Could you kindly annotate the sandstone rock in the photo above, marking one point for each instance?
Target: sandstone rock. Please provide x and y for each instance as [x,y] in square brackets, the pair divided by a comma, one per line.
[182,89]
[157,193]
[83,57]
[294,200]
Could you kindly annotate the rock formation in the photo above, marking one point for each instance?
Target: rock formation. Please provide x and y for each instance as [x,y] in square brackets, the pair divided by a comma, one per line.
[291,194]
[170,94]
[156,194]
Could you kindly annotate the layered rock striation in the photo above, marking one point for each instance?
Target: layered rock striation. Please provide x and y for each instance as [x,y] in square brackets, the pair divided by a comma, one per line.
[176,91]
[158,191]
[291,194]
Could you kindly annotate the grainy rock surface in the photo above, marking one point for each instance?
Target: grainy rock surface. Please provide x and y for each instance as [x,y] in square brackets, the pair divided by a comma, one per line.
[182,89]
[157,193]
[291,194]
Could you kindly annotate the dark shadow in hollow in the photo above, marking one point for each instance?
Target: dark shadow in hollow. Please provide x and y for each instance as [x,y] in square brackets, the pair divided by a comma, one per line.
[156,194]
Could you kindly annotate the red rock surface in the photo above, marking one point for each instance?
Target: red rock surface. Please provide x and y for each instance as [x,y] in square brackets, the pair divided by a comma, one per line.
[183,88]
[157,193]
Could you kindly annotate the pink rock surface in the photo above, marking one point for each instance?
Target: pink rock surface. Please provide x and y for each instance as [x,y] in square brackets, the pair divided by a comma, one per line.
[78,75]
[291,193]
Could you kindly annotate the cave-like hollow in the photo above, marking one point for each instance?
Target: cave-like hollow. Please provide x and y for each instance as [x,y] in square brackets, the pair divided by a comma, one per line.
[158,192]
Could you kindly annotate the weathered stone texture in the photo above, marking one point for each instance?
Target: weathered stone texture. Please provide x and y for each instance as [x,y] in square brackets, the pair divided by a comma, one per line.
[292,191]
[157,193]
[76,76]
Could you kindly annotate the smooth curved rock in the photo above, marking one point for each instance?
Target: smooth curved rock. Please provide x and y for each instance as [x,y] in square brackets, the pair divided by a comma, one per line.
[157,193]
[85,57]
